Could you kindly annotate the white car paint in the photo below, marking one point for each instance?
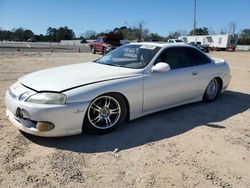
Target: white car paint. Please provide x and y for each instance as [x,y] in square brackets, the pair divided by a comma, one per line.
[145,90]
[68,76]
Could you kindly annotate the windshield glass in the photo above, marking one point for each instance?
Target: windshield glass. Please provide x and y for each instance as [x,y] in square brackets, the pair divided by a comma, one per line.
[134,56]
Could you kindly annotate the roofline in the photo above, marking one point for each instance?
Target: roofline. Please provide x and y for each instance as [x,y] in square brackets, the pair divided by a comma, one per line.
[159,44]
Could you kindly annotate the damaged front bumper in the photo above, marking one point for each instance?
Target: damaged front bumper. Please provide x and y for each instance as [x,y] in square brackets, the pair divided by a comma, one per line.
[44,119]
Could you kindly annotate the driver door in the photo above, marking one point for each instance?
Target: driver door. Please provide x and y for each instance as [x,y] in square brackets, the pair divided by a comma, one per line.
[177,86]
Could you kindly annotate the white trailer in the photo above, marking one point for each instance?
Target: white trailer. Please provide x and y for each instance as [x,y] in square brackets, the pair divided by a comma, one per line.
[217,42]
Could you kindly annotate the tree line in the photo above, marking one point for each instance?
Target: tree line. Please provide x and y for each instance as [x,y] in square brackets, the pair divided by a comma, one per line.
[137,32]
[140,33]
[244,38]
[52,35]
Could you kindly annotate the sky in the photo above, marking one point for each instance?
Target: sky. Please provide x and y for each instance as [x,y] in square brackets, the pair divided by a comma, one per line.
[160,16]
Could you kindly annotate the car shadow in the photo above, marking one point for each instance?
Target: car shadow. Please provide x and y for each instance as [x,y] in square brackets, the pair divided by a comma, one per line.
[154,127]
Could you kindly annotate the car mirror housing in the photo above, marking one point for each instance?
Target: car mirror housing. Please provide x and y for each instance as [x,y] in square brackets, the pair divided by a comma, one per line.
[161,67]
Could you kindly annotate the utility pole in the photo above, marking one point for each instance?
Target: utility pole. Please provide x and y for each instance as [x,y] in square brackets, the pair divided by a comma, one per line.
[194,17]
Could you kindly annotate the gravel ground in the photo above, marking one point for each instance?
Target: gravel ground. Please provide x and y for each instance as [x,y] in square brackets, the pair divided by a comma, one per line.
[196,145]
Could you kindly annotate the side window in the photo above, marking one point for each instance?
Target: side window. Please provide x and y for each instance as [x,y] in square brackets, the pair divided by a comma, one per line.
[197,57]
[220,39]
[99,39]
[176,57]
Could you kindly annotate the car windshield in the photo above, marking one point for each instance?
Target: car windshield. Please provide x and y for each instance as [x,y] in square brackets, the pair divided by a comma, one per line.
[134,56]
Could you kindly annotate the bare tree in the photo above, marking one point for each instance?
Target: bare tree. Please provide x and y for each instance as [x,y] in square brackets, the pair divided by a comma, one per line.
[90,34]
[173,35]
[229,29]
[140,30]
[182,32]
[211,31]
[232,28]
[222,31]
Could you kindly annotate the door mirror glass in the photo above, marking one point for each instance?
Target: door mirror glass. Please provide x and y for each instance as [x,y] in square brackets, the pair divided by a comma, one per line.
[161,67]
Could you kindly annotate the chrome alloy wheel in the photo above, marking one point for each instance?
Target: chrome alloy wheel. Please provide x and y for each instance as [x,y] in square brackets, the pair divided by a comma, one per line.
[212,89]
[104,112]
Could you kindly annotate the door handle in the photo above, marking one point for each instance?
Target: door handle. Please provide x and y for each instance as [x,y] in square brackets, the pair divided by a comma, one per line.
[194,73]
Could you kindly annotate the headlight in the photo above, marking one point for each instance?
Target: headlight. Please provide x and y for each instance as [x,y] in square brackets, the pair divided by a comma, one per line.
[47,98]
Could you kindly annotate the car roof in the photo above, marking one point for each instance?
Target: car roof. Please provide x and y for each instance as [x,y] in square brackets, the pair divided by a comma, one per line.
[160,44]
[165,44]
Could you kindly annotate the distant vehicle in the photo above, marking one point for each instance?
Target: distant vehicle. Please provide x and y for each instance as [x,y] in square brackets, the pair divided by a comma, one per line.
[105,44]
[152,40]
[204,48]
[215,42]
[134,80]
[175,41]
[31,40]
[83,40]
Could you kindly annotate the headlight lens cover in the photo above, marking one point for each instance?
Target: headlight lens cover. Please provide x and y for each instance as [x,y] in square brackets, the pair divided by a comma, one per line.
[47,98]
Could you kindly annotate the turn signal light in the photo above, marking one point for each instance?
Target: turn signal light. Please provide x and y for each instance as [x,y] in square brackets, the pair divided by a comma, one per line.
[44,126]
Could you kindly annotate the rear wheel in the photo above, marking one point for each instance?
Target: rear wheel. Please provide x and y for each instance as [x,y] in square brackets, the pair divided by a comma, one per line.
[105,113]
[212,90]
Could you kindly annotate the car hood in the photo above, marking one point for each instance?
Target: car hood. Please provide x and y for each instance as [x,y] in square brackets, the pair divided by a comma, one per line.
[66,77]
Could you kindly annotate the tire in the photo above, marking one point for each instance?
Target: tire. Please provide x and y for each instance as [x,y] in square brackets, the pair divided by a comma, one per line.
[93,50]
[103,51]
[105,113]
[212,91]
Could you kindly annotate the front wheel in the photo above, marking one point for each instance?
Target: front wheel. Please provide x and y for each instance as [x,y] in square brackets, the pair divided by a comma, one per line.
[105,113]
[103,51]
[212,90]
[93,50]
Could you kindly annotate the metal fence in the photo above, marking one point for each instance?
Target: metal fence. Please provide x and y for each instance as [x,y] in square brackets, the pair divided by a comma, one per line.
[243,47]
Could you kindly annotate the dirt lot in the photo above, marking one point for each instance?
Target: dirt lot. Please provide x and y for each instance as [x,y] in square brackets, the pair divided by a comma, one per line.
[196,145]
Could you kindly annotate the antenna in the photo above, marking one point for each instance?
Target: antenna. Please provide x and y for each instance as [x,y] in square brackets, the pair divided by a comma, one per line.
[194,26]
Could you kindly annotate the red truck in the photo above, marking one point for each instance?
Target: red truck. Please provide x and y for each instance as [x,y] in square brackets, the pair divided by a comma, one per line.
[105,44]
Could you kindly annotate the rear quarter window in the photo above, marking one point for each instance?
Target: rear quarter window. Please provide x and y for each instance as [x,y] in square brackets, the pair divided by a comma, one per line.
[198,58]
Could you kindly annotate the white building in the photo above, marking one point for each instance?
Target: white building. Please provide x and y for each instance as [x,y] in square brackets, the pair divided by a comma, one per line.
[220,42]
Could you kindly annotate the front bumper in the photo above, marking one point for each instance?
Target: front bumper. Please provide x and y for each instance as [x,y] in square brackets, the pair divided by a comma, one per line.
[67,118]
[110,48]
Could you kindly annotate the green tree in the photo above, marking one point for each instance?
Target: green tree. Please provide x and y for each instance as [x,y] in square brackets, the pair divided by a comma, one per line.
[200,31]
[18,34]
[154,37]
[244,38]
[51,33]
[27,34]
[40,38]
[245,33]
[62,33]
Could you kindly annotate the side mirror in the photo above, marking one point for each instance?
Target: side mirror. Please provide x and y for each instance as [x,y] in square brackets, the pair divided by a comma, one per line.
[161,67]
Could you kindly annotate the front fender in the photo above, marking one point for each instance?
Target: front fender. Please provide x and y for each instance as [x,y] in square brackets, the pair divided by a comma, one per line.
[131,88]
